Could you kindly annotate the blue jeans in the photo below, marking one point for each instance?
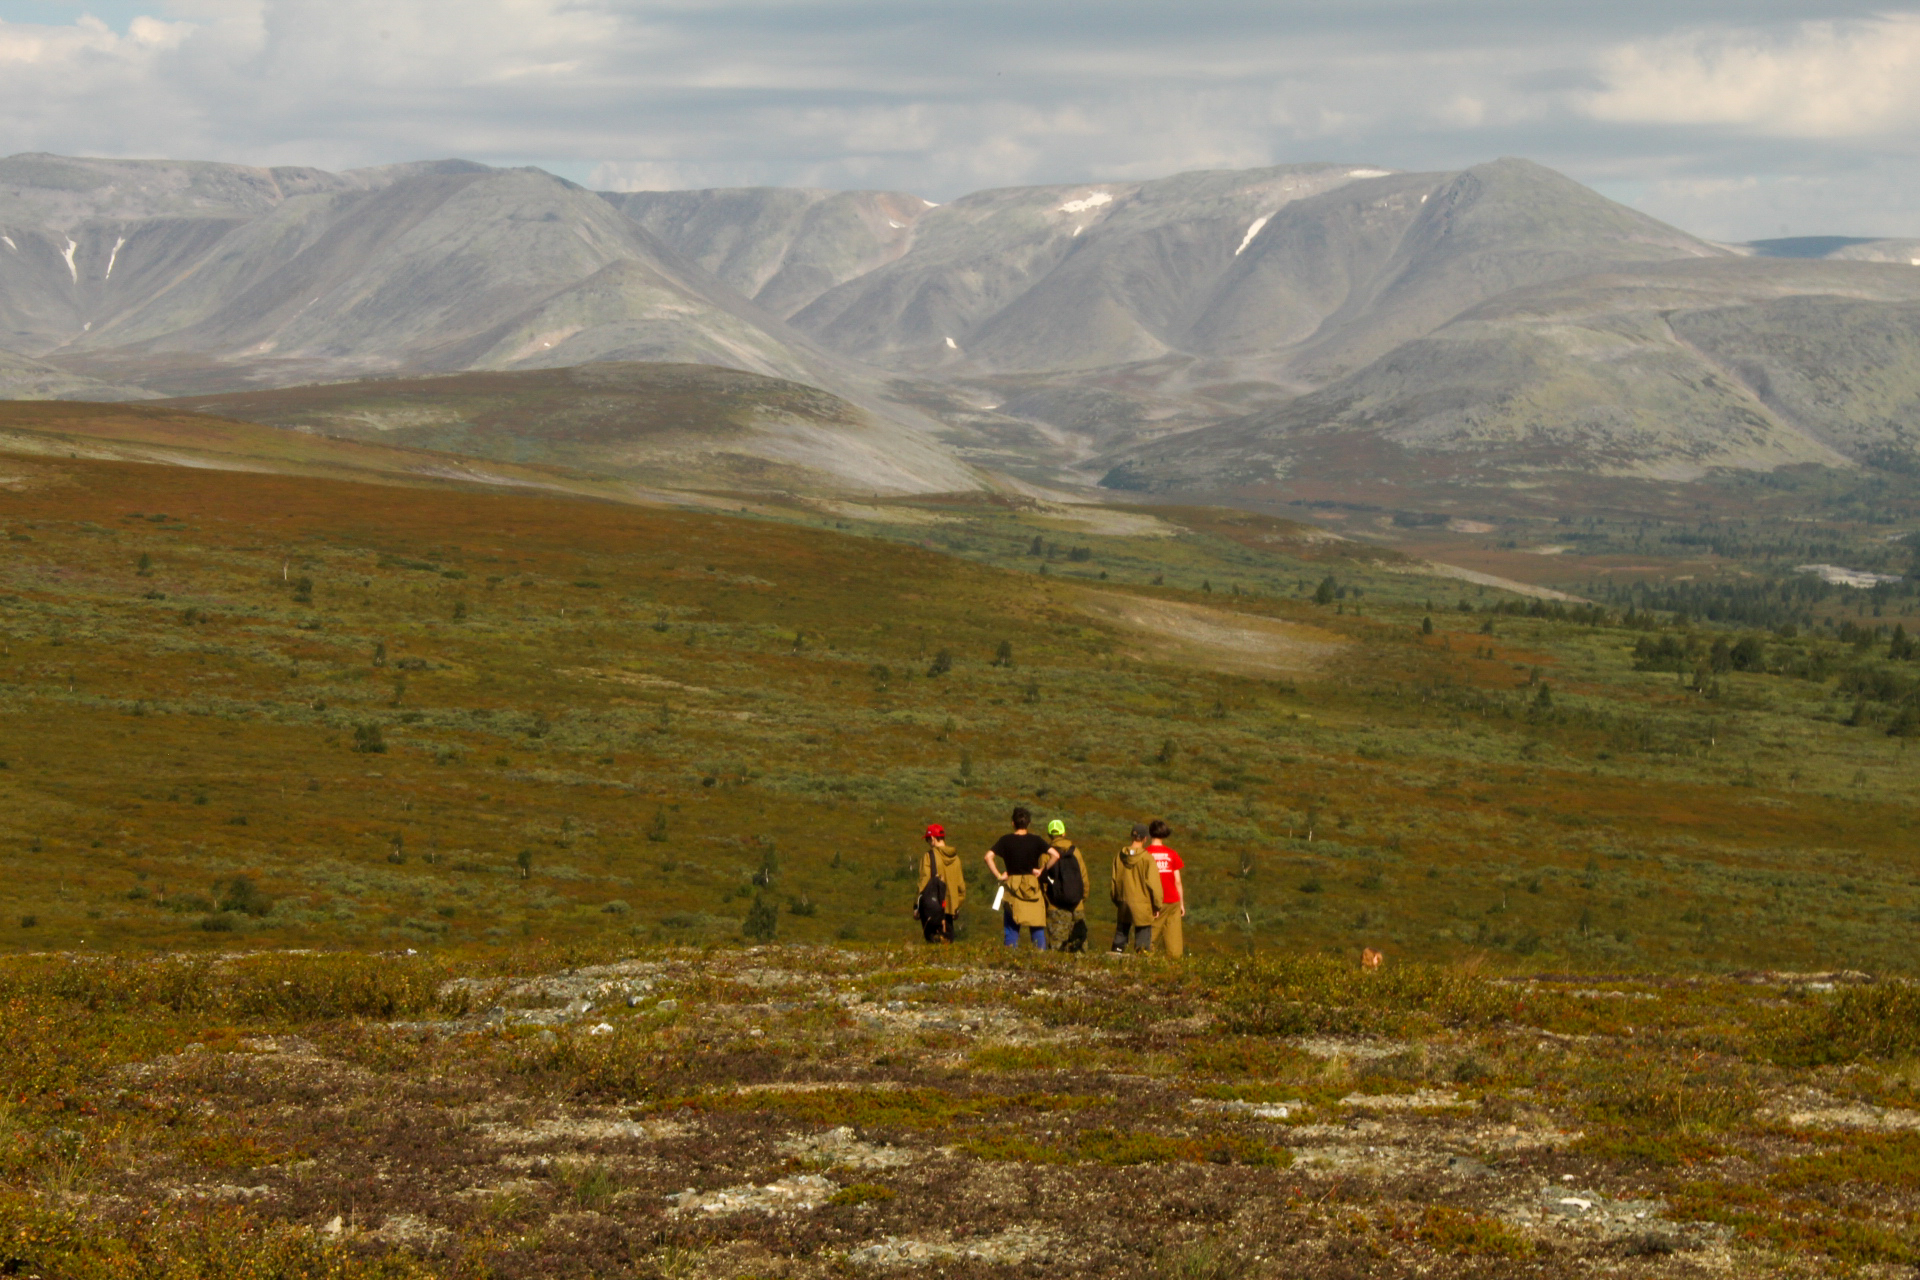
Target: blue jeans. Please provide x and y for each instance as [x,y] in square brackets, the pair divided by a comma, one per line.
[1013,935]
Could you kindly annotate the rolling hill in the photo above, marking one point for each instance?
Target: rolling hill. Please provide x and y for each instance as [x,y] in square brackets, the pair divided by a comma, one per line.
[668,425]
[1662,373]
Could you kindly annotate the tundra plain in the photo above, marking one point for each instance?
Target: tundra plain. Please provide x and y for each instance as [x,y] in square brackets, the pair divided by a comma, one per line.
[413,872]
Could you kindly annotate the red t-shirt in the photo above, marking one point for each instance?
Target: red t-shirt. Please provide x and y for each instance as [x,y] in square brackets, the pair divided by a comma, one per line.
[1169,862]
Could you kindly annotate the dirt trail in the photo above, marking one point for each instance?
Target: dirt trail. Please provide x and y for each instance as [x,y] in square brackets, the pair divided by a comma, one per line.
[1172,631]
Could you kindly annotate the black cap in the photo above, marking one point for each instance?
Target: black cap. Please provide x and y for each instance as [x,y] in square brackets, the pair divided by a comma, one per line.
[1139,831]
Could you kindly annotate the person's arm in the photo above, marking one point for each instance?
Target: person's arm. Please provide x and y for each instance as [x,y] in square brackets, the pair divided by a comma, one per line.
[994,867]
[1180,887]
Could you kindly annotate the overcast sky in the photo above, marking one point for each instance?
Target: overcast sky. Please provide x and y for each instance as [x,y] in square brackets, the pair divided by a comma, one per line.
[1794,118]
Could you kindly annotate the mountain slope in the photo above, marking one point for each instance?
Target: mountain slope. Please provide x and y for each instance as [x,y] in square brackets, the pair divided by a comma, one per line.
[1663,372]
[670,425]
[781,246]
[1309,269]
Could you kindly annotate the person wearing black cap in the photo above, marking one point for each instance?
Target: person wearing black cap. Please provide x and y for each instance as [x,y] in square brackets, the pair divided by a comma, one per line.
[1136,893]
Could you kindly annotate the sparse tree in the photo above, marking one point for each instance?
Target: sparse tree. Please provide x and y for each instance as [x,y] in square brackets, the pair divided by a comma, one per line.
[1003,656]
[367,739]
[941,664]
[1323,594]
[1426,626]
[525,862]
[762,920]
[146,566]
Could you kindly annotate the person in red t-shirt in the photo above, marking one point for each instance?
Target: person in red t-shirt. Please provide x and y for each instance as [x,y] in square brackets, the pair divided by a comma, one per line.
[1168,930]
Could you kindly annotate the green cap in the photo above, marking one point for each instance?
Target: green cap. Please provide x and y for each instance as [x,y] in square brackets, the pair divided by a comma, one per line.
[1056,828]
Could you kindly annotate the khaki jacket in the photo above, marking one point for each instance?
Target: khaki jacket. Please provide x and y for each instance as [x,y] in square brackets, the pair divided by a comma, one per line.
[1136,885]
[1024,903]
[946,859]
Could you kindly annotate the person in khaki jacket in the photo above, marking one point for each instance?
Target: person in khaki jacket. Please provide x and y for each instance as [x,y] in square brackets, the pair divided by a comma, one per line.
[1066,926]
[1136,893]
[943,859]
[1016,861]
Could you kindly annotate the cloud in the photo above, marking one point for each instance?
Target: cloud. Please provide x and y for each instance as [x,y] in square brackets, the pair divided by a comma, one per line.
[1814,80]
[944,99]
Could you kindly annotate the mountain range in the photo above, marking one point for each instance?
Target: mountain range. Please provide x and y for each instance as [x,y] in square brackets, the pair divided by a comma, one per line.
[1235,333]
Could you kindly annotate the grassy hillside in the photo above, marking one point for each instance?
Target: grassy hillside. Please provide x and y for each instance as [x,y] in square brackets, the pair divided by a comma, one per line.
[596,721]
[677,425]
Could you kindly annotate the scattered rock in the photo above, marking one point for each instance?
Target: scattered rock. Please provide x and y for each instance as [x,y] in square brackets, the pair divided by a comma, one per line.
[803,1191]
[1016,1244]
[581,1130]
[843,1147]
[1250,1110]
[1420,1100]
[1467,1167]
[1349,1047]
[1588,1212]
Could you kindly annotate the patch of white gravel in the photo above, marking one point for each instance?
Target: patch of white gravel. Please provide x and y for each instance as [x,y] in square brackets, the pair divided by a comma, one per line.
[801,1192]
[1016,1244]
[843,1147]
[582,1129]
[1420,1100]
[1349,1047]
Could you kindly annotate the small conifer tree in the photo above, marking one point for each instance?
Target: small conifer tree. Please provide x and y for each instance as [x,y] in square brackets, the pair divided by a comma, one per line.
[762,919]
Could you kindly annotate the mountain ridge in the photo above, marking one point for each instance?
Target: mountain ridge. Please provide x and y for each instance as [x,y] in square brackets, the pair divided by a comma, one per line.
[1211,328]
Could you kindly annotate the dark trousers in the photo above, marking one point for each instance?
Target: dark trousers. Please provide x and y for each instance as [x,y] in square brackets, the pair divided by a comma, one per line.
[1142,938]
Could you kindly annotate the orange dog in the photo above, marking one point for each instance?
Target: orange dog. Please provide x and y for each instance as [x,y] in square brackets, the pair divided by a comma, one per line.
[1371,959]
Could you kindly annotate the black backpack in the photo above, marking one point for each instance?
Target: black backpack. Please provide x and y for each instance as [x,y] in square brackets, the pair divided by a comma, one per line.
[931,906]
[1066,887]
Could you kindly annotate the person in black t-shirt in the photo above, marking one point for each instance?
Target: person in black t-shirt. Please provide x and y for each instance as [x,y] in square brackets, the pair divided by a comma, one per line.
[1016,861]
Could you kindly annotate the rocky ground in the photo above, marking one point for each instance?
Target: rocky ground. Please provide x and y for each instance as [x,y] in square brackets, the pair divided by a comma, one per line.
[805,1112]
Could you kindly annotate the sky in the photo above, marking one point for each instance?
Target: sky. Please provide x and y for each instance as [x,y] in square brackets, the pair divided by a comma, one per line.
[1741,122]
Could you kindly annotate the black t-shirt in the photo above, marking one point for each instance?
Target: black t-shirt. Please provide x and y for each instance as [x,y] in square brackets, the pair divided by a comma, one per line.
[1021,855]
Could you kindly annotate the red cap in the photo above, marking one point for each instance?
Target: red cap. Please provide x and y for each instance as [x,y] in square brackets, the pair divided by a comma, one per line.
[936,832]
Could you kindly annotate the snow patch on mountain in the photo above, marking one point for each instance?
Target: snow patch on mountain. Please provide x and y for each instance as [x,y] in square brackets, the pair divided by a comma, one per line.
[1093,201]
[1252,231]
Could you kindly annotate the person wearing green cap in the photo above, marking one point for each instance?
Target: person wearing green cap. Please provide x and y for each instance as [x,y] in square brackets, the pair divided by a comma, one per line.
[1064,883]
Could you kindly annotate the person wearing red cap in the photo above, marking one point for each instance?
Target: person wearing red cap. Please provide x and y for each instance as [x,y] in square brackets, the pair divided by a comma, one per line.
[941,861]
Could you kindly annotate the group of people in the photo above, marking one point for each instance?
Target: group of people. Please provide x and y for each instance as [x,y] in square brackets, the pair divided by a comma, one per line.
[1044,885]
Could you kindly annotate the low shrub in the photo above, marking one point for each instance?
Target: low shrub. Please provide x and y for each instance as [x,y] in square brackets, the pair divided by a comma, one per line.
[1296,995]
[1451,1230]
[1880,1022]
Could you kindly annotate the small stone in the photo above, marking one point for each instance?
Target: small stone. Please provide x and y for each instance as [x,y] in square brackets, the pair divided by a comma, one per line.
[601,1029]
[335,1225]
[667,1006]
[1467,1167]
